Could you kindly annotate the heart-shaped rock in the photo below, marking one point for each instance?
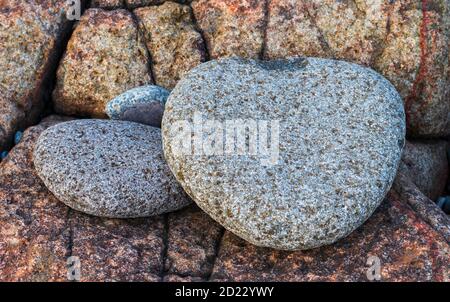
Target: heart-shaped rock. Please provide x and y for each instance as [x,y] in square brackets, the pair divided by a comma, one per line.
[107,168]
[290,154]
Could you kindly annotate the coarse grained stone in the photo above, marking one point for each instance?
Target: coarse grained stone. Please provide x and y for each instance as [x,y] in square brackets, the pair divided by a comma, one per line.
[33,233]
[406,41]
[32,34]
[105,57]
[341,134]
[38,233]
[143,105]
[425,208]
[175,45]
[108,4]
[407,249]
[113,250]
[193,239]
[231,27]
[108,168]
[141,3]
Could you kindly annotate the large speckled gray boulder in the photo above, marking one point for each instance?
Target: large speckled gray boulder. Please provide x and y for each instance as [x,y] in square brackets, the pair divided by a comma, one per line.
[335,132]
[108,168]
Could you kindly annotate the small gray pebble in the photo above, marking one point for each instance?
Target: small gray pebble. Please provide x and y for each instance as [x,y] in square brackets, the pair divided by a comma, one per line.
[149,100]
[147,114]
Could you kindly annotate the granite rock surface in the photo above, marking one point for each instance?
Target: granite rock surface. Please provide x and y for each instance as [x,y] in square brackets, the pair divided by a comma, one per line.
[38,234]
[426,164]
[406,41]
[336,136]
[105,57]
[173,41]
[109,169]
[32,34]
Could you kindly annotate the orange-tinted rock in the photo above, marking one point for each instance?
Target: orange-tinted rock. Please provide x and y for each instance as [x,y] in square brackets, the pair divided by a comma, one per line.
[426,164]
[407,247]
[192,245]
[422,205]
[117,250]
[175,46]
[292,31]
[141,3]
[105,57]
[31,38]
[33,224]
[406,41]
[415,59]
[231,27]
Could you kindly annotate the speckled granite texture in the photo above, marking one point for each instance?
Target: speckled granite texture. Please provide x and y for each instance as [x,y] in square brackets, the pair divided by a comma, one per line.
[108,168]
[341,133]
[105,57]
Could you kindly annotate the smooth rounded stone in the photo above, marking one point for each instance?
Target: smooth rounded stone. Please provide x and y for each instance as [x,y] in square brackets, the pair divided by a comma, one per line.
[143,105]
[341,130]
[108,168]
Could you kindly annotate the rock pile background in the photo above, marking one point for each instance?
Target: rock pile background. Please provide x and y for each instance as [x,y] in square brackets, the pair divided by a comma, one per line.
[50,64]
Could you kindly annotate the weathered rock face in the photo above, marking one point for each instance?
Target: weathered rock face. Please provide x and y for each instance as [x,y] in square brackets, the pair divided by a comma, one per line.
[38,234]
[105,57]
[176,47]
[116,250]
[130,4]
[406,41]
[108,168]
[193,239]
[426,209]
[407,248]
[426,164]
[31,33]
[231,27]
[32,222]
[332,158]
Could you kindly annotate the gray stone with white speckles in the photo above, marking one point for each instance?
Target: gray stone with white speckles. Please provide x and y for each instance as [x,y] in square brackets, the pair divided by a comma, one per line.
[143,105]
[342,130]
[108,168]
